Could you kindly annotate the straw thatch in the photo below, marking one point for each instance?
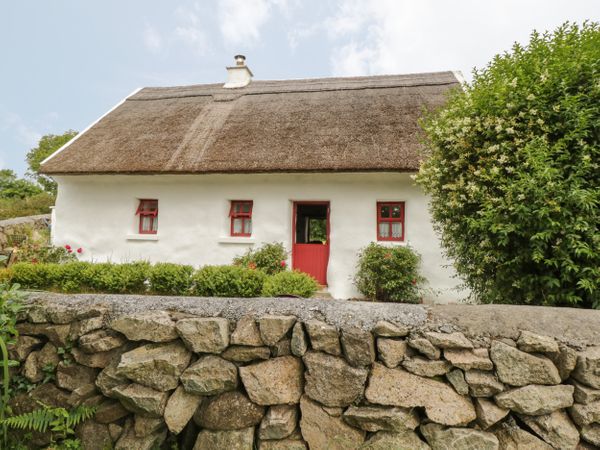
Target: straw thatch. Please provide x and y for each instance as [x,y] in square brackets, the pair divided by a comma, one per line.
[329,124]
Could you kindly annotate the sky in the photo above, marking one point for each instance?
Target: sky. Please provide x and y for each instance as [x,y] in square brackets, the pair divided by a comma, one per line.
[64,63]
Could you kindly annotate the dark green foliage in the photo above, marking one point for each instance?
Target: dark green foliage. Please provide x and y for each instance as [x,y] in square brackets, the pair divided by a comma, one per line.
[290,283]
[12,187]
[389,274]
[514,173]
[29,206]
[270,258]
[171,279]
[34,276]
[228,281]
[47,145]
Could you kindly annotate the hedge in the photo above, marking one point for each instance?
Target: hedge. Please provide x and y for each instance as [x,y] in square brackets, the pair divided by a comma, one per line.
[161,278]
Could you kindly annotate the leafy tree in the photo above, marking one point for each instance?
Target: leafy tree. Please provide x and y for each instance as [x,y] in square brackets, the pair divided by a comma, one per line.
[48,144]
[13,187]
[513,171]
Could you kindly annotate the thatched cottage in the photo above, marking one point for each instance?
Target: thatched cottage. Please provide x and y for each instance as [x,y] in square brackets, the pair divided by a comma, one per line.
[198,174]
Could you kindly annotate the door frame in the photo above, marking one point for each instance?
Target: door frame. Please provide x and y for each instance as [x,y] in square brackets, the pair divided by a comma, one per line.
[294,217]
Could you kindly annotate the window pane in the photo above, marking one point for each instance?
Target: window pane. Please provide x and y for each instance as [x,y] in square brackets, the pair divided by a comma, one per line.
[396,230]
[237,207]
[155,224]
[248,226]
[384,230]
[384,211]
[146,223]
[237,226]
[396,211]
[246,207]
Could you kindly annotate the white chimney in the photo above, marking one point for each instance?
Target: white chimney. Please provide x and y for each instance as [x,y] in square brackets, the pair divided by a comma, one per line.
[239,75]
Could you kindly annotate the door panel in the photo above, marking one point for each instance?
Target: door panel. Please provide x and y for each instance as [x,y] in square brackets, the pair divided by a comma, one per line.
[310,248]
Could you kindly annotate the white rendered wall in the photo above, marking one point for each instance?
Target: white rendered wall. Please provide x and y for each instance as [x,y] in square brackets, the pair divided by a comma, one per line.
[97,213]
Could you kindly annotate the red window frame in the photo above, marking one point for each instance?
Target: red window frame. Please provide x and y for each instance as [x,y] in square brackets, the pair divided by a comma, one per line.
[390,220]
[236,212]
[148,208]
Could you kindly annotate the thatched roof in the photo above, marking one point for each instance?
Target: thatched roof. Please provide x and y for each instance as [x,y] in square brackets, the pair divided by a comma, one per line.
[328,124]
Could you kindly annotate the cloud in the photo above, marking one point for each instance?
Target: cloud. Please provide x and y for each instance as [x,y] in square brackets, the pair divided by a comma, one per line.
[190,29]
[240,21]
[152,38]
[23,133]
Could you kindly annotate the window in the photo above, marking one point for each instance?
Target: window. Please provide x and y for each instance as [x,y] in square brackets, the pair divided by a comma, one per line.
[241,217]
[148,212]
[390,221]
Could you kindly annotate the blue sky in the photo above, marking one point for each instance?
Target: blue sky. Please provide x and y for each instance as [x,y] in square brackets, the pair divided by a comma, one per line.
[66,62]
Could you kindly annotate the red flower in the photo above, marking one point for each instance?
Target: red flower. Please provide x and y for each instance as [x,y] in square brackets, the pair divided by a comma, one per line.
[413,281]
[282,263]
[34,261]
[68,247]
[70,251]
[251,265]
[79,250]
[387,255]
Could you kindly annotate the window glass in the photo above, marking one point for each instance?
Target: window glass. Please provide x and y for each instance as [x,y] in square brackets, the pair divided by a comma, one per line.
[384,230]
[237,225]
[396,211]
[385,211]
[396,230]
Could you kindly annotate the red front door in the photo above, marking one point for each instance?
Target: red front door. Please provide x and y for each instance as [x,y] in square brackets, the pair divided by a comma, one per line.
[310,237]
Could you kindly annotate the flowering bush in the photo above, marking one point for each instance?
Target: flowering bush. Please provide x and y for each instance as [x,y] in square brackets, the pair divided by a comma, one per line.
[514,173]
[228,281]
[270,258]
[290,283]
[389,274]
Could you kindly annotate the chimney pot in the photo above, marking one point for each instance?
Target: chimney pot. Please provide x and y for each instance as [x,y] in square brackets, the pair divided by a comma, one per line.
[238,76]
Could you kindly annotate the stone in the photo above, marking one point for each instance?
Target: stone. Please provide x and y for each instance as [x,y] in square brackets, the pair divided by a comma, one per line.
[242,354]
[518,368]
[358,347]
[115,431]
[157,366]
[404,440]
[221,440]
[584,394]
[456,378]
[210,375]
[82,393]
[154,326]
[109,378]
[322,431]
[426,367]
[380,418]
[449,340]
[71,376]
[110,411]
[274,382]
[204,335]
[331,381]
[279,422]
[283,444]
[477,359]
[587,369]
[440,437]
[31,369]
[93,435]
[511,437]
[23,347]
[180,409]
[57,334]
[388,329]
[585,414]
[41,362]
[483,384]
[95,360]
[396,387]
[391,351]
[281,348]
[128,440]
[323,337]
[536,400]
[488,413]
[556,429]
[85,326]
[424,347]
[299,342]
[565,361]
[591,433]
[228,411]
[144,426]
[142,400]
[101,341]
[534,343]
[274,328]
[246,333]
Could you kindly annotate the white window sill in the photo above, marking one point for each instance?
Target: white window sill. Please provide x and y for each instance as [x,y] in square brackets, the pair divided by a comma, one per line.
[394,243]
[236,240]
[142,237]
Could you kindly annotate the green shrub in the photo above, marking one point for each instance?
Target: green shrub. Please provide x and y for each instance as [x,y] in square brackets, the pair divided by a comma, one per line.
[389,274]
[36,253]
[290,283]
[29,206]
[270,258]
[514,173]
[228,281]
[35,276]
[171,279]
[6,275]
[126,278]
[70,277]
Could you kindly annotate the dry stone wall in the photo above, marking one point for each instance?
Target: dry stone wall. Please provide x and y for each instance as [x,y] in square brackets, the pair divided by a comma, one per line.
[15,228]
[297,374]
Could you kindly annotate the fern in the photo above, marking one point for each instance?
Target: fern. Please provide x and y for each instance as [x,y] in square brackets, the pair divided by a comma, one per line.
[37,420]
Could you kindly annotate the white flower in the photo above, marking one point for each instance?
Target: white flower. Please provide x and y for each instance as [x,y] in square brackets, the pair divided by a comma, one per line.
[531,97]
[513,83]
